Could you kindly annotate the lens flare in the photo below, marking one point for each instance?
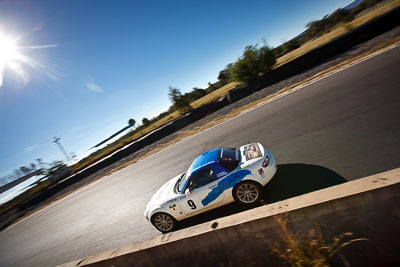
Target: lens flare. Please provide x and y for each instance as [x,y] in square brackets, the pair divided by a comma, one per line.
[15,59]
[9,55]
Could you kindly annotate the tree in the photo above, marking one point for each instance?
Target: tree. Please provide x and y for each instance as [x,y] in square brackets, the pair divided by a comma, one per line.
[131,122]
[266,59]
[179,102]
[253,63]
[145,121]
[225,74]
[340,15]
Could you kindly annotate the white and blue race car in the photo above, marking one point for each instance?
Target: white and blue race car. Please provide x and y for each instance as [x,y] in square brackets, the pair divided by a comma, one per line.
[215,178]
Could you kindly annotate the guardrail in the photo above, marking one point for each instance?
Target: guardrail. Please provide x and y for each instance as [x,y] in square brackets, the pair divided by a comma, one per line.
[17,180]
[368,207]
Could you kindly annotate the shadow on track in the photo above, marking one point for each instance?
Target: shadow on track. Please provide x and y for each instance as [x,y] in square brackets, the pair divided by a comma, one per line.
[289,181]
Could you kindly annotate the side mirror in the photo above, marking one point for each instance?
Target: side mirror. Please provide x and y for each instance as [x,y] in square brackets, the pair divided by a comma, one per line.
[187,191]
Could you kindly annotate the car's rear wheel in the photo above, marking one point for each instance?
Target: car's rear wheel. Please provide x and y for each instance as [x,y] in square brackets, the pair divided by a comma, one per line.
[247,193]
[163,222]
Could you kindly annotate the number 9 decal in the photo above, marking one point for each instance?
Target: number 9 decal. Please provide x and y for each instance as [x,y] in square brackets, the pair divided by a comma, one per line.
[191,204]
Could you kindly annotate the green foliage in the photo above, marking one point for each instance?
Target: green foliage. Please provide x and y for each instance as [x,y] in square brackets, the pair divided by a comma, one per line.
[253,63]
[179,102]
[225,75]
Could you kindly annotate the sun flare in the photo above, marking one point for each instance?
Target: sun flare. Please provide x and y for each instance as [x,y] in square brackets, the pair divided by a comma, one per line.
[8,50]
[8,54]
[15,59]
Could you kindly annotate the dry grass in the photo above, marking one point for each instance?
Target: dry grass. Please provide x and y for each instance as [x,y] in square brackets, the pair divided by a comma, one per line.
[214,95]
[344,28]
[311,249]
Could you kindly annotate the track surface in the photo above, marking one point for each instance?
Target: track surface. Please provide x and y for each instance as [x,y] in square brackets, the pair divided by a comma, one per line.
[348,122]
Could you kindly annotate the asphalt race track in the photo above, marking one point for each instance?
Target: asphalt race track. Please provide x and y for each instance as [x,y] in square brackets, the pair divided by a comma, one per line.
[340,128]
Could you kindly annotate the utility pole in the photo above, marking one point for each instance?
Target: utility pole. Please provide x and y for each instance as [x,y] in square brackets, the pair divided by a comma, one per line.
[57,141]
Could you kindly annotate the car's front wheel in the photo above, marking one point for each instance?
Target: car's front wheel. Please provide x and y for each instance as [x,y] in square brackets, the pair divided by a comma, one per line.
[163,222]
[247,193]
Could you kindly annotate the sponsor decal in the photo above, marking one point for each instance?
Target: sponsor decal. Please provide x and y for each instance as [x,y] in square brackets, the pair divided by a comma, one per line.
[228,182]
[172,206]
[252,151]
[180,213]
[201,166]
[221,174]
[261,172]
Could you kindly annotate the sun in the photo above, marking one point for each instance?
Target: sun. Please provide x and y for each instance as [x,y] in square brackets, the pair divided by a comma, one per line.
[8,50]
[8,54]
[17,65]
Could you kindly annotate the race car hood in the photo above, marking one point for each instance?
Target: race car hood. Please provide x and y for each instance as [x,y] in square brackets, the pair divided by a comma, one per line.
[165,193]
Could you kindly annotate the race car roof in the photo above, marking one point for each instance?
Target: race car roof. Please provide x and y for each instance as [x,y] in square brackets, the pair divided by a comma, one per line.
[204,160]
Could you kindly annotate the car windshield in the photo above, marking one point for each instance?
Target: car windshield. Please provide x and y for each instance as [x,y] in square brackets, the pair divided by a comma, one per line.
[182,182]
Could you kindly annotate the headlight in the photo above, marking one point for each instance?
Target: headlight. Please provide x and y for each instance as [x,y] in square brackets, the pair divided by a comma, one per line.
[266,161]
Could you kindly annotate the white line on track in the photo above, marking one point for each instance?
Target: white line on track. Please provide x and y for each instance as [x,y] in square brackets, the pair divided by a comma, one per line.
[242,113]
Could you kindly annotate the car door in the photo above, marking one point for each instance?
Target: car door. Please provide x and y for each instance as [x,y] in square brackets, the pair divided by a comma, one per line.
[201,194]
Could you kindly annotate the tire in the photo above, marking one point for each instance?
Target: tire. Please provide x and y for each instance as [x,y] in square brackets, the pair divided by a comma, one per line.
[247,193]
[163,222]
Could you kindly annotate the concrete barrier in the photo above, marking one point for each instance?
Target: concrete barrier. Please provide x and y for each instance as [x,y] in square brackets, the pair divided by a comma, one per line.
[368,207]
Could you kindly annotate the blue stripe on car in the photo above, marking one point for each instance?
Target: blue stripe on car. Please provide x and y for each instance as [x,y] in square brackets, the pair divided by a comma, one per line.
[228,182]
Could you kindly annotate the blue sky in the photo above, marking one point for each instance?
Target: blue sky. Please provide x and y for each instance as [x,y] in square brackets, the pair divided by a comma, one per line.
[91,65]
